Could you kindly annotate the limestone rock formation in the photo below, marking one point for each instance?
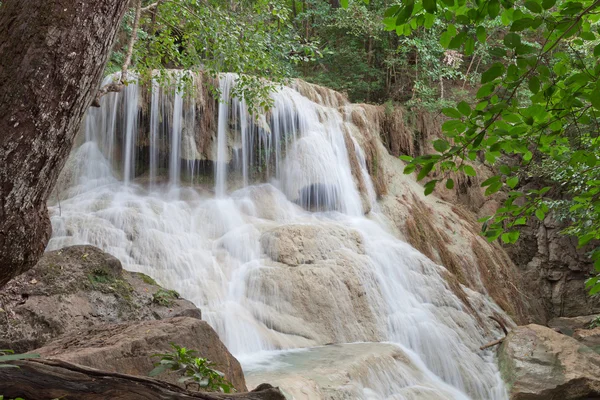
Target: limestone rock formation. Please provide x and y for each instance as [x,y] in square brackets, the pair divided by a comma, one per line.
[76,288]
[538,363]
[127,348]
[317,285]
[352,371]
[307,244]
[554,269]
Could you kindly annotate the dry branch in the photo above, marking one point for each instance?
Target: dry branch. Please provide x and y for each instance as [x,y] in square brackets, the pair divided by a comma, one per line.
[497,341]
[51,379]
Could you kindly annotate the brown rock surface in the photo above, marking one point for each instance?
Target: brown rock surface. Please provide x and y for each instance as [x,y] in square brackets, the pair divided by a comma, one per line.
[537,362]
[76,288]
[128,348]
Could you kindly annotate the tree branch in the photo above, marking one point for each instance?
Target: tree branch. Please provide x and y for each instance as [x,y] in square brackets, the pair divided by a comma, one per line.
[118,86]
[497,341]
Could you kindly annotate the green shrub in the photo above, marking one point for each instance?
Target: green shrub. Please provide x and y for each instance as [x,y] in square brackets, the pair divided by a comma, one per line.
[196,371]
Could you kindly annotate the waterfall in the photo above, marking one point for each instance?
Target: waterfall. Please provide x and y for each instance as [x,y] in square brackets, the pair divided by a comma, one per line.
[276,250]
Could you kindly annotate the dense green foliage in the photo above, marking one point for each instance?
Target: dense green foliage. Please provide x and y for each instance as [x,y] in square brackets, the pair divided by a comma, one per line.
[253,38]
[538,104]
[371,64]
[524,75]
[196,371]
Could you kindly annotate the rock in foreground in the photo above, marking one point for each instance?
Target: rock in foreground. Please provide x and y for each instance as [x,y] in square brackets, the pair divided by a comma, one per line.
[76,288]
[539,363]
[127,348]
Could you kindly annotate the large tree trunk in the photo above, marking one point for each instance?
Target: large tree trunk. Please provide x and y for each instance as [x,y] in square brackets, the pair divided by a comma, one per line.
[54,379]
[52,54]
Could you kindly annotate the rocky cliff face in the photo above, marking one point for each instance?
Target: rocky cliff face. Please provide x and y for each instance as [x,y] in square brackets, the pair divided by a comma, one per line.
[554,269]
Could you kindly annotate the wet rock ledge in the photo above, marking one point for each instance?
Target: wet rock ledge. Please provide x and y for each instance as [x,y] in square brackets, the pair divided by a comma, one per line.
[89,318]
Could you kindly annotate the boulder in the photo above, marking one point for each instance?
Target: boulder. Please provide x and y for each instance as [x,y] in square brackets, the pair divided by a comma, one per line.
[568,326]
[537,362]
[128,348]
[76,288]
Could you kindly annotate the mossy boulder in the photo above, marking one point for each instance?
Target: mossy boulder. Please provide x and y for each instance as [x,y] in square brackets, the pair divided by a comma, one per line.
[76,288]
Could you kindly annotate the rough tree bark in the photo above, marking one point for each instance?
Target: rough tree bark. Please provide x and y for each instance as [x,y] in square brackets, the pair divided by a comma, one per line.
[52,57]
[54,379]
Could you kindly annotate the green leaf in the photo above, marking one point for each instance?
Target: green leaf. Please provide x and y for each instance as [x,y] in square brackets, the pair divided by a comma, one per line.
[390,12]
[521,24]
[430,6]
[468,170]
[464,108]
[406,158]
[485,90]
[481,34]
[469,46]
[457,41]
[441,145]
[510,237]
[533,6]
[597,50]
[409,169]
[548,4]
[451,112]
[534,84]
[493,188]
[450,184]
[595,98]
[425,171]
[540,214]
[344,3]
[490,181]
[512,182]
[493,8]
[429,187]
[591,282]
[512,40]
[492,73]
[406,12]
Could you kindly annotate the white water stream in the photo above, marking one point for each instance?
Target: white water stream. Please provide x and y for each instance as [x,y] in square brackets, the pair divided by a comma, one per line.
[267,274]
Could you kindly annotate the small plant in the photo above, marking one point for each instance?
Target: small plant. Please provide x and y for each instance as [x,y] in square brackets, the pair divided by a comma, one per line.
[9,355]
[595,323]
[195,370]
[164,297]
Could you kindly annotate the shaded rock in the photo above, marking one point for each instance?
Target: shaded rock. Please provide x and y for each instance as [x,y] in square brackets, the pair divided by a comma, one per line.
[554,269]
[307,243]
[538,363]
[128,348]
[568,326]
[75,288]
[589,337]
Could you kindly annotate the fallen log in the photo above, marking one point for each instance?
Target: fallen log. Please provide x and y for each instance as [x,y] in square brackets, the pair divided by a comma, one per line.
[55,379]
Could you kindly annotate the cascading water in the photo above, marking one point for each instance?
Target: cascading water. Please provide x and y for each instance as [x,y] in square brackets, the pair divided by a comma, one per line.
[268,274]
